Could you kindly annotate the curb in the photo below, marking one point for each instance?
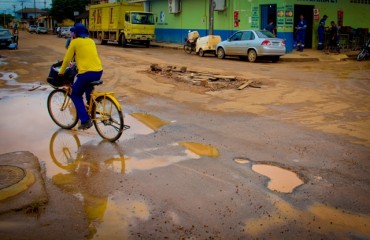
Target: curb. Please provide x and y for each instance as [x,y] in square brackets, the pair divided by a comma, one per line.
[285,58]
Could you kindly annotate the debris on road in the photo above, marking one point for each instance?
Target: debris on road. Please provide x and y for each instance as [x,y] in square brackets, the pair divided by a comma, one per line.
[205,79]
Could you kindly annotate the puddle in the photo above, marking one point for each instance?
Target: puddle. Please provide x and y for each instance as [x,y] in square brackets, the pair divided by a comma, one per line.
[241,160]
[201,149]
[149,120]
[281,180]
[317,218]
[119,214]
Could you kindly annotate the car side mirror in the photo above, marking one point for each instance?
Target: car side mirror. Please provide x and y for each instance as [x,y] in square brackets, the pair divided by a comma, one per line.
[229,39]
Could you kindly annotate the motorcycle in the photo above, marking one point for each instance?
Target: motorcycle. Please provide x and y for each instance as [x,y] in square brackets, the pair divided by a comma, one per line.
[191,42]
[189,46]
[365,52]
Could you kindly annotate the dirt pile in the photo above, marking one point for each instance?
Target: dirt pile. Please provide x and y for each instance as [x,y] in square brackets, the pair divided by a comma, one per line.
[210,81]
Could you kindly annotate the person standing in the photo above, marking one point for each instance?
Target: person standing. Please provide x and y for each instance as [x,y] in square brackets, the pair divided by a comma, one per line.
[83,50]
[334,37]
[271,27]
[321,32]
[301,33]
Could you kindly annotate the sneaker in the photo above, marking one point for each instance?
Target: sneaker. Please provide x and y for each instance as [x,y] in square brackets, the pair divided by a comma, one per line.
[86,125]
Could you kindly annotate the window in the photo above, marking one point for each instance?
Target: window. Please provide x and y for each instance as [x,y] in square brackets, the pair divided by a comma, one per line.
[236,37]
[248,35]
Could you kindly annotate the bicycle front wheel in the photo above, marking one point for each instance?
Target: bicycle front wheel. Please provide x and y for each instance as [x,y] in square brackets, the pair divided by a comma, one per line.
[61,109]
[108,119]
[63,149]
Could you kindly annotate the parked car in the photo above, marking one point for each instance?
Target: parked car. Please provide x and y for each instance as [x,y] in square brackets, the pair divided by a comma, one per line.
[32,28]
[41,30]
[65,32]
[6,38]
[252,44]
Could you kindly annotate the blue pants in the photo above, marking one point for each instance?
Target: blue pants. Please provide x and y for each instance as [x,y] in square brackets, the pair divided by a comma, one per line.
[81,86]
[300,39]
[321,38]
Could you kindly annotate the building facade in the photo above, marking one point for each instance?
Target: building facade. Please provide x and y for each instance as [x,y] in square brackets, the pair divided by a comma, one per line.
[176,17]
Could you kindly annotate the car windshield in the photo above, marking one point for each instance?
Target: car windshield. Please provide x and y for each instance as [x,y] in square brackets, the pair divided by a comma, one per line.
[264,34]
[4,33]
[142,18]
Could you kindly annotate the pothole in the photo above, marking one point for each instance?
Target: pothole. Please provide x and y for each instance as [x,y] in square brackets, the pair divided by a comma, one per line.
[281,180]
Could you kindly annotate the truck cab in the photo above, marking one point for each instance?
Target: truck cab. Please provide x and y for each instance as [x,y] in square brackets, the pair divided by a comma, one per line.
[139,27]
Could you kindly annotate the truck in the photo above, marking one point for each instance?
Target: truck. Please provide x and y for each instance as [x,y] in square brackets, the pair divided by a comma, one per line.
[123,23]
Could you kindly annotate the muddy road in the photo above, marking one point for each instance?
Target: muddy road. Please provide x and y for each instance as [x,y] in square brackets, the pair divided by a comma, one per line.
[290,159]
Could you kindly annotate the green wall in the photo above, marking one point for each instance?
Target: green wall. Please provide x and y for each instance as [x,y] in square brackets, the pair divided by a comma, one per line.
[194,16]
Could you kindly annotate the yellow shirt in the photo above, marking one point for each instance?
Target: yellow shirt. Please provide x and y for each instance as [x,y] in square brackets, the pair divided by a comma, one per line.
[86,56]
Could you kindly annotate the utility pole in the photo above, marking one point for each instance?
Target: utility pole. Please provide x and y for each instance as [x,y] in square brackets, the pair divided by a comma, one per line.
[22,10]
[34,9]
[211,16]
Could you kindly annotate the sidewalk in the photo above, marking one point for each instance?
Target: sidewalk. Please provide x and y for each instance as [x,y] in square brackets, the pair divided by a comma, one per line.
[308,55]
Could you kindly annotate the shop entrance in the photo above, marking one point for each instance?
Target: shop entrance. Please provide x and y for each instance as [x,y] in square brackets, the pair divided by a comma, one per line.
[307,12]
[268,12]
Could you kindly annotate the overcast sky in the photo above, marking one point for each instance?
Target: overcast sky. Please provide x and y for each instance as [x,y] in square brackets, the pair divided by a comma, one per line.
[8,5]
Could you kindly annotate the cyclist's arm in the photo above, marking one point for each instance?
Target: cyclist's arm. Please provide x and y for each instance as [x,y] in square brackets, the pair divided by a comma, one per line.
[67,58]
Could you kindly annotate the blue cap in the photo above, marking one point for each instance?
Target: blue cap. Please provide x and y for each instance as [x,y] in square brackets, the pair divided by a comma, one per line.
[80,30]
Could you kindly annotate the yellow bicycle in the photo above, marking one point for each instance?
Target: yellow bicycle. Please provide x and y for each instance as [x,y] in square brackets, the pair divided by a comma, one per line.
[103,108]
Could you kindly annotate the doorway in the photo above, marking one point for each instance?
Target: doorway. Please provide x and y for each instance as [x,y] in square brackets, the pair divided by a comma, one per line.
[307,12]
[268,12]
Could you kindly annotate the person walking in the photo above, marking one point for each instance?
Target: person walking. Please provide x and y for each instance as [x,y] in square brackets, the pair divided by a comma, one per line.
[301,33]
[321,32]
[83,50]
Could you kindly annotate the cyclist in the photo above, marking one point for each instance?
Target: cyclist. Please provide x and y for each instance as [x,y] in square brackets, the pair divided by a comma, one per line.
[83,50]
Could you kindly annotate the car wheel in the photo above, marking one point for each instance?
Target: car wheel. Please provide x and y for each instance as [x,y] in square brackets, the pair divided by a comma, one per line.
[220,53]
[201,52]
[252,55]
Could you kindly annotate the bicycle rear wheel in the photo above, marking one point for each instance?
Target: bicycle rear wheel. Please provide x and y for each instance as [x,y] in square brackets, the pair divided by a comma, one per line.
[61,109]
[108,119]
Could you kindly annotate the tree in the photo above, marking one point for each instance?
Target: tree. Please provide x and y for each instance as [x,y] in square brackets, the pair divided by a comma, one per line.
[64,9]
[6,19]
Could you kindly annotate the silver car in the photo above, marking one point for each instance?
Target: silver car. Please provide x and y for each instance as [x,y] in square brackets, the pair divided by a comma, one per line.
[252,44]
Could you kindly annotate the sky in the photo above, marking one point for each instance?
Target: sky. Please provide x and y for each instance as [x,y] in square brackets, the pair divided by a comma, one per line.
[7,6]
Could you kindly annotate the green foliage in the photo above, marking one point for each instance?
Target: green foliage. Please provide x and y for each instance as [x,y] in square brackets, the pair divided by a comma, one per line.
[64,9]
[5,19]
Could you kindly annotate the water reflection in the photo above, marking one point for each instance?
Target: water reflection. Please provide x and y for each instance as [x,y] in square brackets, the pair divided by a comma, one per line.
[83,170]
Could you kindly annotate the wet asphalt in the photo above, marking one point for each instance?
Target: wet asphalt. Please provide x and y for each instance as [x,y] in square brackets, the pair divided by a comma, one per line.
[149,186]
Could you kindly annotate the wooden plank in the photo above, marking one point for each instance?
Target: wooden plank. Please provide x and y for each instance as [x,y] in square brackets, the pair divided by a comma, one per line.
[244,85]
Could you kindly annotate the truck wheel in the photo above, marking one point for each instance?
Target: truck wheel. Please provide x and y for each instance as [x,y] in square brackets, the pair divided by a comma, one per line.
[147,44]
[201,52]
[123,41]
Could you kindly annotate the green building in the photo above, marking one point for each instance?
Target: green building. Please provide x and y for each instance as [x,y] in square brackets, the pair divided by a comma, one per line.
[176,17]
